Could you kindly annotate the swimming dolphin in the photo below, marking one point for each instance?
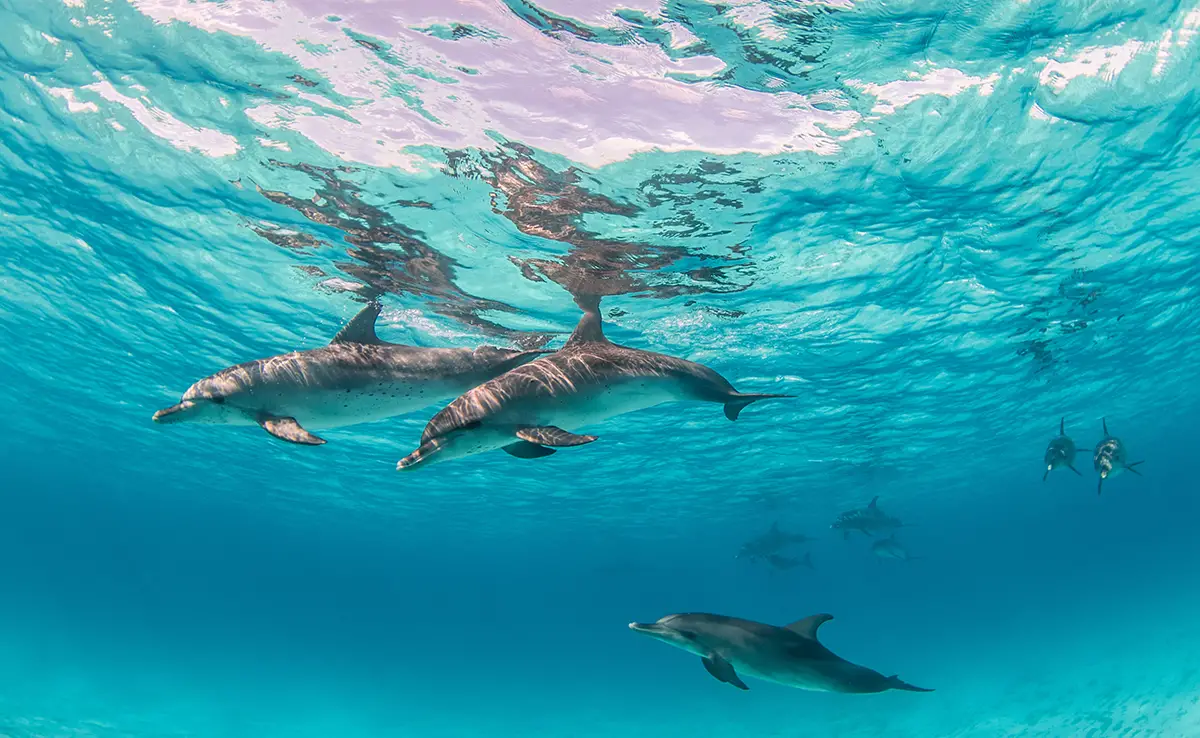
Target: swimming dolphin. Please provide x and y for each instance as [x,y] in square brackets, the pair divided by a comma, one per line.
[868,520]
[355,379]
[771,542]
[1110,458]
[890,548]
[791,656]
[532,409]
[786,563]
[1060,452]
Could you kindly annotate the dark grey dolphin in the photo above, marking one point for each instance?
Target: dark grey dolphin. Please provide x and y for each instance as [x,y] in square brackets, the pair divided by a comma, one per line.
[1110,458]
[787,563]
[771,542]
[534,407]
[791,656]
[355,379]
[1060,452]
[868,520]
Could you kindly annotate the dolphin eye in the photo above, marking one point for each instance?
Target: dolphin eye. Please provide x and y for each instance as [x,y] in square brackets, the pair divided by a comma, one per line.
[688,635]
[218,400]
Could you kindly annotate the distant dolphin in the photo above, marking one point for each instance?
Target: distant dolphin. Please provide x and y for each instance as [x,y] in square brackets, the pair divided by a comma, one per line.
[868,520]
[890,548]
[355,379]
[534,407]
[771,542]
[786,563]
[1110,458]
[1060,452]
[791,656]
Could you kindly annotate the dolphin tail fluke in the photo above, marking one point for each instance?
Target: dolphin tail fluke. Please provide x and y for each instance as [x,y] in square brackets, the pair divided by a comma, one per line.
[895,682]
[1072,468]
[736,403]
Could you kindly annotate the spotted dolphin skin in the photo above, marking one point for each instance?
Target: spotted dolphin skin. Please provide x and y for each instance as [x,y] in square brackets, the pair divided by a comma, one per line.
[868,520]
[534,408]
[791,656]
[1060,453]
[1110,458]
[355,379]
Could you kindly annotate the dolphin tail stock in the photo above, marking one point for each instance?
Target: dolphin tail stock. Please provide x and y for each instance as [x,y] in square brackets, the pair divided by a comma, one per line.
[895,682]
[739,400]
[1130,467]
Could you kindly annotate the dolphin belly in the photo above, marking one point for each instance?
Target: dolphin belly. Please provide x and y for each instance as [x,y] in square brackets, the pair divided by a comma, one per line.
[597,403]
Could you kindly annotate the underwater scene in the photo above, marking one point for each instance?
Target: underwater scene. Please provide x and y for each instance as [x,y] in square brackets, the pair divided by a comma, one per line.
[598,368]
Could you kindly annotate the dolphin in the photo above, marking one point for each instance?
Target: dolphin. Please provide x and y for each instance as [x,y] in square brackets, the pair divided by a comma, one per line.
[1110,458]
[786,563]
[791,656]
[890,548]
[355,379]
[532,409]
[1060,452]
[771,542]
[868,520]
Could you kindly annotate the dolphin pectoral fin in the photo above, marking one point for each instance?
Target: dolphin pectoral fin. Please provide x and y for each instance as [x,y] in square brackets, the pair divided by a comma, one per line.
[808,626]
[722,670]
[361,328]
[527,450]
[894,682]
[738,402]
[549,435]
[287,429]
[1129,467]
[1072,468]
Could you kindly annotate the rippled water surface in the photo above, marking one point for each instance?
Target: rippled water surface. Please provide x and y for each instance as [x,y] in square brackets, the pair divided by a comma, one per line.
[941,225]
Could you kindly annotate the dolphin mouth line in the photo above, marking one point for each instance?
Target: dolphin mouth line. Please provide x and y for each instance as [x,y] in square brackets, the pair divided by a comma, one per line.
[164,415]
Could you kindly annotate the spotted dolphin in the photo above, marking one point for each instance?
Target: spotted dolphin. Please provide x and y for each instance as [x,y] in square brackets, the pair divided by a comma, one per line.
[355,379]
[1110,458]
[868,520]
[1061,452]
[771,542]
[532,409]
[791,656]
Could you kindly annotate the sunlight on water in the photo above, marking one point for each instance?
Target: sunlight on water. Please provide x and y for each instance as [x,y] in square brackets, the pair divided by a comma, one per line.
[940,226]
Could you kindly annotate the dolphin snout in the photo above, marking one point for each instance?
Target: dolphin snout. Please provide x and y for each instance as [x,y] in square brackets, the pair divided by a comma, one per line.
[643,627]
[172,414]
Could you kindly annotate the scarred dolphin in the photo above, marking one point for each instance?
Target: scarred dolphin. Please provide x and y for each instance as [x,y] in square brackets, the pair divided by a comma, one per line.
[791,656]
[1110,458]
[1060,452]
[533,408]
[355,379]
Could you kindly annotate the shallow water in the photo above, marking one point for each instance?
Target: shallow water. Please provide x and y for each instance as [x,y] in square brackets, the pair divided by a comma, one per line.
[942,225]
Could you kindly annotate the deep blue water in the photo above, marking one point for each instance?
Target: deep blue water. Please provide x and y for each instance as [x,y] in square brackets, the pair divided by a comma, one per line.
[942,225]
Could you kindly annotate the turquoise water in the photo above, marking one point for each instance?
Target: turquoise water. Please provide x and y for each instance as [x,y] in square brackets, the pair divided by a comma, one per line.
[942,225]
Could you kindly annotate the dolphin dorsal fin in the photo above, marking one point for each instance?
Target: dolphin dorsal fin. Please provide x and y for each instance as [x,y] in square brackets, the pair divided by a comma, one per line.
[809,625]
[361,328]
[1104,425]
[871,504]
[590,328]
[1062,427]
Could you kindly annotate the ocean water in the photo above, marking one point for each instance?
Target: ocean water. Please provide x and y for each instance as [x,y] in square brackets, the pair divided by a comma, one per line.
[942,225]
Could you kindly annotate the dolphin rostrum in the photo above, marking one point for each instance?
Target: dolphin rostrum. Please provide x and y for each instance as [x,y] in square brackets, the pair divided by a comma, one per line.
[868,520]
[355,379]
[791,656]
[1060,452]
[890,548]
[1110,458]
[532,409]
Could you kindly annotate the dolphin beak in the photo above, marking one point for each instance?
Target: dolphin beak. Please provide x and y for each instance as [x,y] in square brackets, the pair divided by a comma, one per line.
[165,415]
[421,455]
[643,627]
